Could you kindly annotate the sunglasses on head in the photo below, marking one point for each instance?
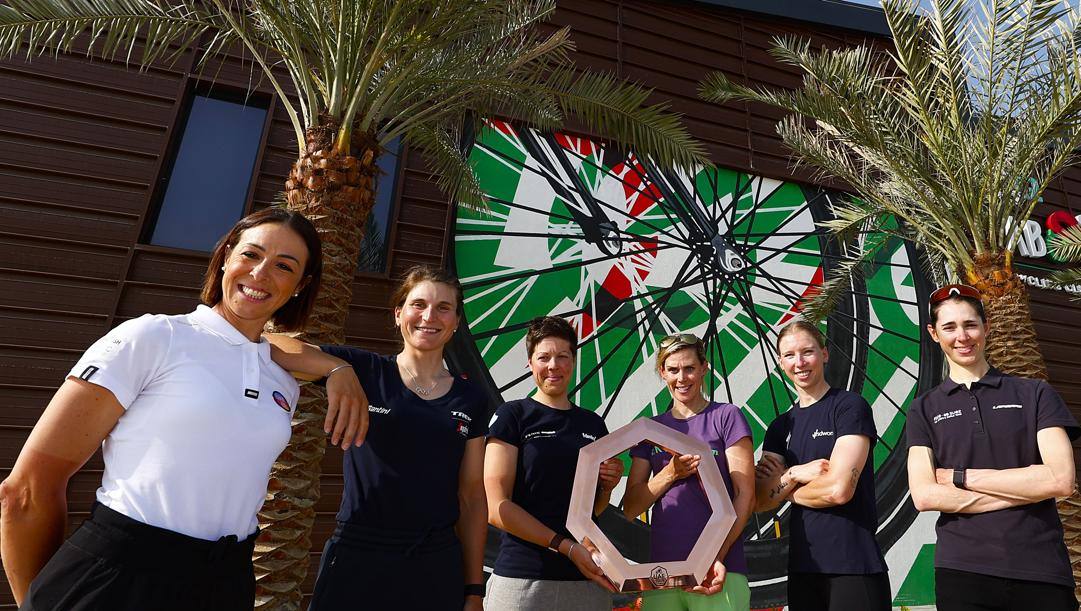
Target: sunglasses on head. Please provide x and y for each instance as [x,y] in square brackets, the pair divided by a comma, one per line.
[681,338]
[954,290]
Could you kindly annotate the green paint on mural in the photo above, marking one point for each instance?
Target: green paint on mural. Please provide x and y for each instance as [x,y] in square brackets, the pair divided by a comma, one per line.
[919,585]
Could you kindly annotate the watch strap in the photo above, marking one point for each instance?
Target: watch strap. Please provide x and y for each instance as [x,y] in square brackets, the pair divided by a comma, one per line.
[557,540]
[959,478]
[474,589]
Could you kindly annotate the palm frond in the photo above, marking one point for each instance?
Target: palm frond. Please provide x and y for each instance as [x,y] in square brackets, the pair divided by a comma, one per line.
[134,31]
[1067,245]
[454,174]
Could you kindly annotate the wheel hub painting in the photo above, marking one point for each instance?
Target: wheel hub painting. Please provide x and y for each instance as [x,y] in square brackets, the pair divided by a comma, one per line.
[629,253]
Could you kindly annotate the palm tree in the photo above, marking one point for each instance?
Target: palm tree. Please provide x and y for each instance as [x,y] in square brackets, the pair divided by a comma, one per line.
[955,131]
[353,75]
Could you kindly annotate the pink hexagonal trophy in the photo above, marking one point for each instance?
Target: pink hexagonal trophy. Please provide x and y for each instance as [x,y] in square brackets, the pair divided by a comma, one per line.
[629,576]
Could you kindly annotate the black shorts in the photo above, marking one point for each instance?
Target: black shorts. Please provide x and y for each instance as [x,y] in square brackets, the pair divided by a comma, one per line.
[831,592]
[369,569]
[963,591]
[114,562]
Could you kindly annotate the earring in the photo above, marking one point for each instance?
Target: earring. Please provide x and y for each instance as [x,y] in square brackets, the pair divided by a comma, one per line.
[223,268]
[296,294]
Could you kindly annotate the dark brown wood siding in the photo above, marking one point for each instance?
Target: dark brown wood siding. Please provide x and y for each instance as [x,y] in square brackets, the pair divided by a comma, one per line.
[82,143]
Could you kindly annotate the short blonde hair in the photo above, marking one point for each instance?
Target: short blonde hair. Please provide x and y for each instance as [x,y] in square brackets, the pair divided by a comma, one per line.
[678,344]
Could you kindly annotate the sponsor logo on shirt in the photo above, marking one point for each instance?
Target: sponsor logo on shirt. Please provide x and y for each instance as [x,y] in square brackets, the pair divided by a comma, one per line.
[1008,406]
[113,345]
[818,433]
[280,400]
[946,416]
[589,437]
[539,435]
[461,416]
[379,410]
[88,373]
[463,429]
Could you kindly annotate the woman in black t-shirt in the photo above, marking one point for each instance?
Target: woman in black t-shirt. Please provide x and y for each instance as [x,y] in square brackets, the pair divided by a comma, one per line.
[412,522]
[529,467]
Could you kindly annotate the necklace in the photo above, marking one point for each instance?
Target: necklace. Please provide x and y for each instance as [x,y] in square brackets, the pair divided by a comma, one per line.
[424,392]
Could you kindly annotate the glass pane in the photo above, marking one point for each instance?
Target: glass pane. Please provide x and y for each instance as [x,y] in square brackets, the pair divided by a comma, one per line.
[373,247]
[209,183]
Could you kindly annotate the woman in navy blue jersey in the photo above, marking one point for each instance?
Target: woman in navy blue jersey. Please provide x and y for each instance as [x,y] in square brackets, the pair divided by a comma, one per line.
[529,467]
[413,518]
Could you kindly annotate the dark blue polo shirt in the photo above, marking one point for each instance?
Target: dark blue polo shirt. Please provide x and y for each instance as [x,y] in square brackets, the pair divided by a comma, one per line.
[841,539]
[405,476]
[548,441]
[993,425]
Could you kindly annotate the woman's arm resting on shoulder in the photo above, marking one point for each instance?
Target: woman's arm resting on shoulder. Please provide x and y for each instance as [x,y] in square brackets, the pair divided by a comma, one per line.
[1031,484]
[347,403]
[472,526]
[929,495]
[33,498]
[837,485]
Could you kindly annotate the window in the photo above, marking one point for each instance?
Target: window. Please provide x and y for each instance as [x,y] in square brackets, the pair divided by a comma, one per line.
[208,183]
[373,246]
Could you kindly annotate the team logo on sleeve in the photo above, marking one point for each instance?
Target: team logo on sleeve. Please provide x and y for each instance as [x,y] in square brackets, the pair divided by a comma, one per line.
[88,373]
[280,400]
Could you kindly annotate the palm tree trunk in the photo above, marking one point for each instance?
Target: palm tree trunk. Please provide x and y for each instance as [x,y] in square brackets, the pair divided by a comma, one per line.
[335,192]
[1012,348]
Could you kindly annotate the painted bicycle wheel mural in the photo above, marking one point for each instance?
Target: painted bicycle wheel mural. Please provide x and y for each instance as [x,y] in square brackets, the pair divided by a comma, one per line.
[629,253]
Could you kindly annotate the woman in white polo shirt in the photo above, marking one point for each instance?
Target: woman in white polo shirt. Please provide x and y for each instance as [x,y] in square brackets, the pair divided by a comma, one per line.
[191,412]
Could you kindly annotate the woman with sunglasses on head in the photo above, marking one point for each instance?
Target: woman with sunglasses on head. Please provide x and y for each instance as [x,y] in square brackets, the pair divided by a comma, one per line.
[170,399]
[665,483]
[818,455]
[991,452]
[413,517]
[529,468]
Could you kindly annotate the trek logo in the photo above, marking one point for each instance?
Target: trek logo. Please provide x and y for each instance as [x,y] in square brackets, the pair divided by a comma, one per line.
[1008,406]
[818,433]
[589,437]
[378,410]
[461,416]
[946,416]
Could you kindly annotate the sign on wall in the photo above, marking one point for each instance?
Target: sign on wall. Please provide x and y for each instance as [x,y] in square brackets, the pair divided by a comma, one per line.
[630,252]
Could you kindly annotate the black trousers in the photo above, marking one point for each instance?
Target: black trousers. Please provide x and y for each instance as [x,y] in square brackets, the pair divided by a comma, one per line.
[371,569]
[115,563]
[830,592]
[963,591]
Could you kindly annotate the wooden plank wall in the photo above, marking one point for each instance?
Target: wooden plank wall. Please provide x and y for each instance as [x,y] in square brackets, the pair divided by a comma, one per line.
[82,143]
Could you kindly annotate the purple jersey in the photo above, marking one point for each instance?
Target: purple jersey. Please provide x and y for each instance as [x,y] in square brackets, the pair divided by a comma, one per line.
[680,514]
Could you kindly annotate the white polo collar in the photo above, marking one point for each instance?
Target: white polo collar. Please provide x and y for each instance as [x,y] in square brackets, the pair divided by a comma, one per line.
[206,318]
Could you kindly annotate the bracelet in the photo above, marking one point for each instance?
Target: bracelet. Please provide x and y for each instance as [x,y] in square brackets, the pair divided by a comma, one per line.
[331,372]
[474,589]
[557,540]
[571,548]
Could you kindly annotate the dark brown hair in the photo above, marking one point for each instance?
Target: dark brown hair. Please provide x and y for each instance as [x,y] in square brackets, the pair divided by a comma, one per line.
[294,314]
[972,301]
[698,346]
[544,327]
[422,273]
[806,327]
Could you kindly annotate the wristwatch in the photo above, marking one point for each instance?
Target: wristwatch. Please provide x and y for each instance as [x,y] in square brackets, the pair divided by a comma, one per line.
[959,478]
[474,589]
[556,541]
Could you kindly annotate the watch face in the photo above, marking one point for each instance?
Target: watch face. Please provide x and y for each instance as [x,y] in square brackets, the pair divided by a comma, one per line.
[629,252]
